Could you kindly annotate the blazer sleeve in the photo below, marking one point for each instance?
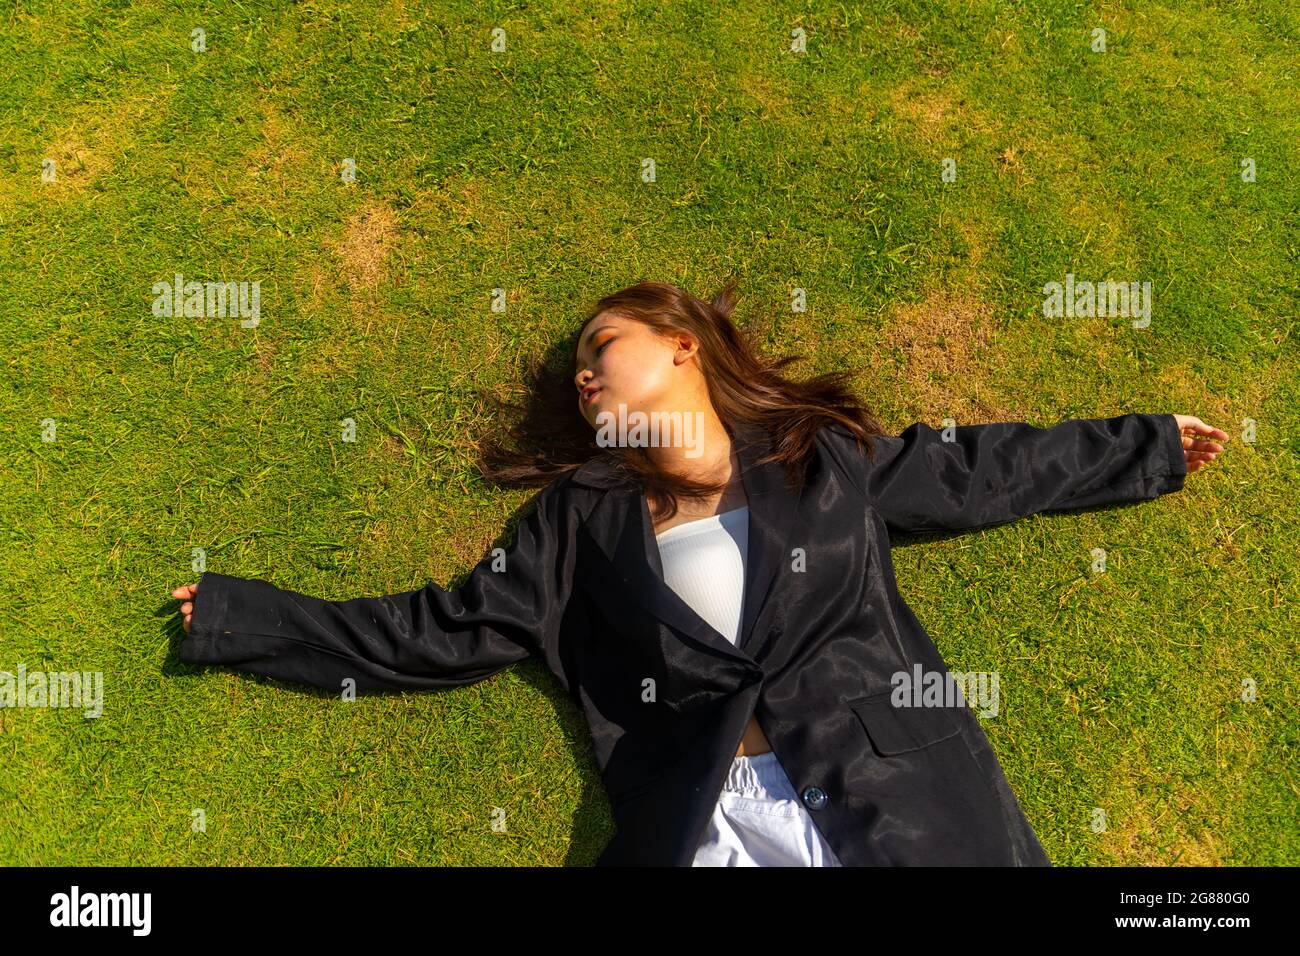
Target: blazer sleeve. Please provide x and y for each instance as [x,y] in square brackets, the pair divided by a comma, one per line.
[416,640]
[995,473]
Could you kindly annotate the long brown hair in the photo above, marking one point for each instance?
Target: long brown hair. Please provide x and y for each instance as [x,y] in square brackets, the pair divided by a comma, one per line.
[742,385]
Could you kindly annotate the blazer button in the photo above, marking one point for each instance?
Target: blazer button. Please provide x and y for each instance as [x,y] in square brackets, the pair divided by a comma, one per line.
[814,798]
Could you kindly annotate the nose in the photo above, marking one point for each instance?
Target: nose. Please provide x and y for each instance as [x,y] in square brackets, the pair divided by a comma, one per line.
[582,378]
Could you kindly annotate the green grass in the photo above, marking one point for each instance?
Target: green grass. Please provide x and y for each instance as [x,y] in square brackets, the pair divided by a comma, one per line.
[521,170]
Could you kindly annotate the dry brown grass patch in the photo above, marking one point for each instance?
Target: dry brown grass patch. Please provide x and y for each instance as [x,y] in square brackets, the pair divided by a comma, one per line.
[936,109]
[280,158]
[92,143]
[939,350]
[369,237]
[763,90]
[1161,822]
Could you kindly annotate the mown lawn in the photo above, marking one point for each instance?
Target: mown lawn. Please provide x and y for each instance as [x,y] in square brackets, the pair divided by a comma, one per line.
[521,169]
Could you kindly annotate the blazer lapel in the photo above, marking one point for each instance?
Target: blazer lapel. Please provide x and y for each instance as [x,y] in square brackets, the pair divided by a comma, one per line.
[775,525]
[773,522]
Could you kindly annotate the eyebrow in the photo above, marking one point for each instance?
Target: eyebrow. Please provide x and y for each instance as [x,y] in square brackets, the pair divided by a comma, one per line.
[591,335]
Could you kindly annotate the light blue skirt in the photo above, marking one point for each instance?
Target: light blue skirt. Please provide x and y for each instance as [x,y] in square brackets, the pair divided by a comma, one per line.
[759,820]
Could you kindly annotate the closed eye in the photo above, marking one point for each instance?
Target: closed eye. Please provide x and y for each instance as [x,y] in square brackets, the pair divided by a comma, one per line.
[603,344]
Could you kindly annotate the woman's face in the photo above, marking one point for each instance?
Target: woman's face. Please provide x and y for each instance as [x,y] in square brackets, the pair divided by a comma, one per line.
[629,365]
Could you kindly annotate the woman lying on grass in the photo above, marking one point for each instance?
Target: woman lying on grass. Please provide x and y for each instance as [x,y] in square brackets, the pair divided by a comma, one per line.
[741,653]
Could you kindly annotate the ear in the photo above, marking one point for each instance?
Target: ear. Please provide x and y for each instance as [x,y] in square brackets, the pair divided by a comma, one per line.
[687,348]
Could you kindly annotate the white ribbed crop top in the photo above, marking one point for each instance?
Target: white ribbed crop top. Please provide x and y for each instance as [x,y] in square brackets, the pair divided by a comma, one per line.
[704,562]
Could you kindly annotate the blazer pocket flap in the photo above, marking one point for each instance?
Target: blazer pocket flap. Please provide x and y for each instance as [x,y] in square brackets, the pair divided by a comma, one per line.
[898,730]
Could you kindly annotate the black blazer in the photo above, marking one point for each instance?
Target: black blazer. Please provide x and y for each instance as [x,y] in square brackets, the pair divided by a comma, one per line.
[667,698]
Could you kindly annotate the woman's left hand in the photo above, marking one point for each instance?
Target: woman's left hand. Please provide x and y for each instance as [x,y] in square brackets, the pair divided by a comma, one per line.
[1199,452]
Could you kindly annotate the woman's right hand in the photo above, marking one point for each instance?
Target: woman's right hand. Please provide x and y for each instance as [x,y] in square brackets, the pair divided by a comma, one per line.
[186,593]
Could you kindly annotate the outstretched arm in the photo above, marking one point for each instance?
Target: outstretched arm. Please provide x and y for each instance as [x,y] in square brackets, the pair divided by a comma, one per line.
[420,639]
[986,475]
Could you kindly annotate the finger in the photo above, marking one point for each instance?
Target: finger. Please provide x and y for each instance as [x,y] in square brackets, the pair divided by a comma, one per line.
[187,608]
[1200,428]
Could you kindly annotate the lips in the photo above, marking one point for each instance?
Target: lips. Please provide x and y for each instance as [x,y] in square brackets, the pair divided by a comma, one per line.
[589,397]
